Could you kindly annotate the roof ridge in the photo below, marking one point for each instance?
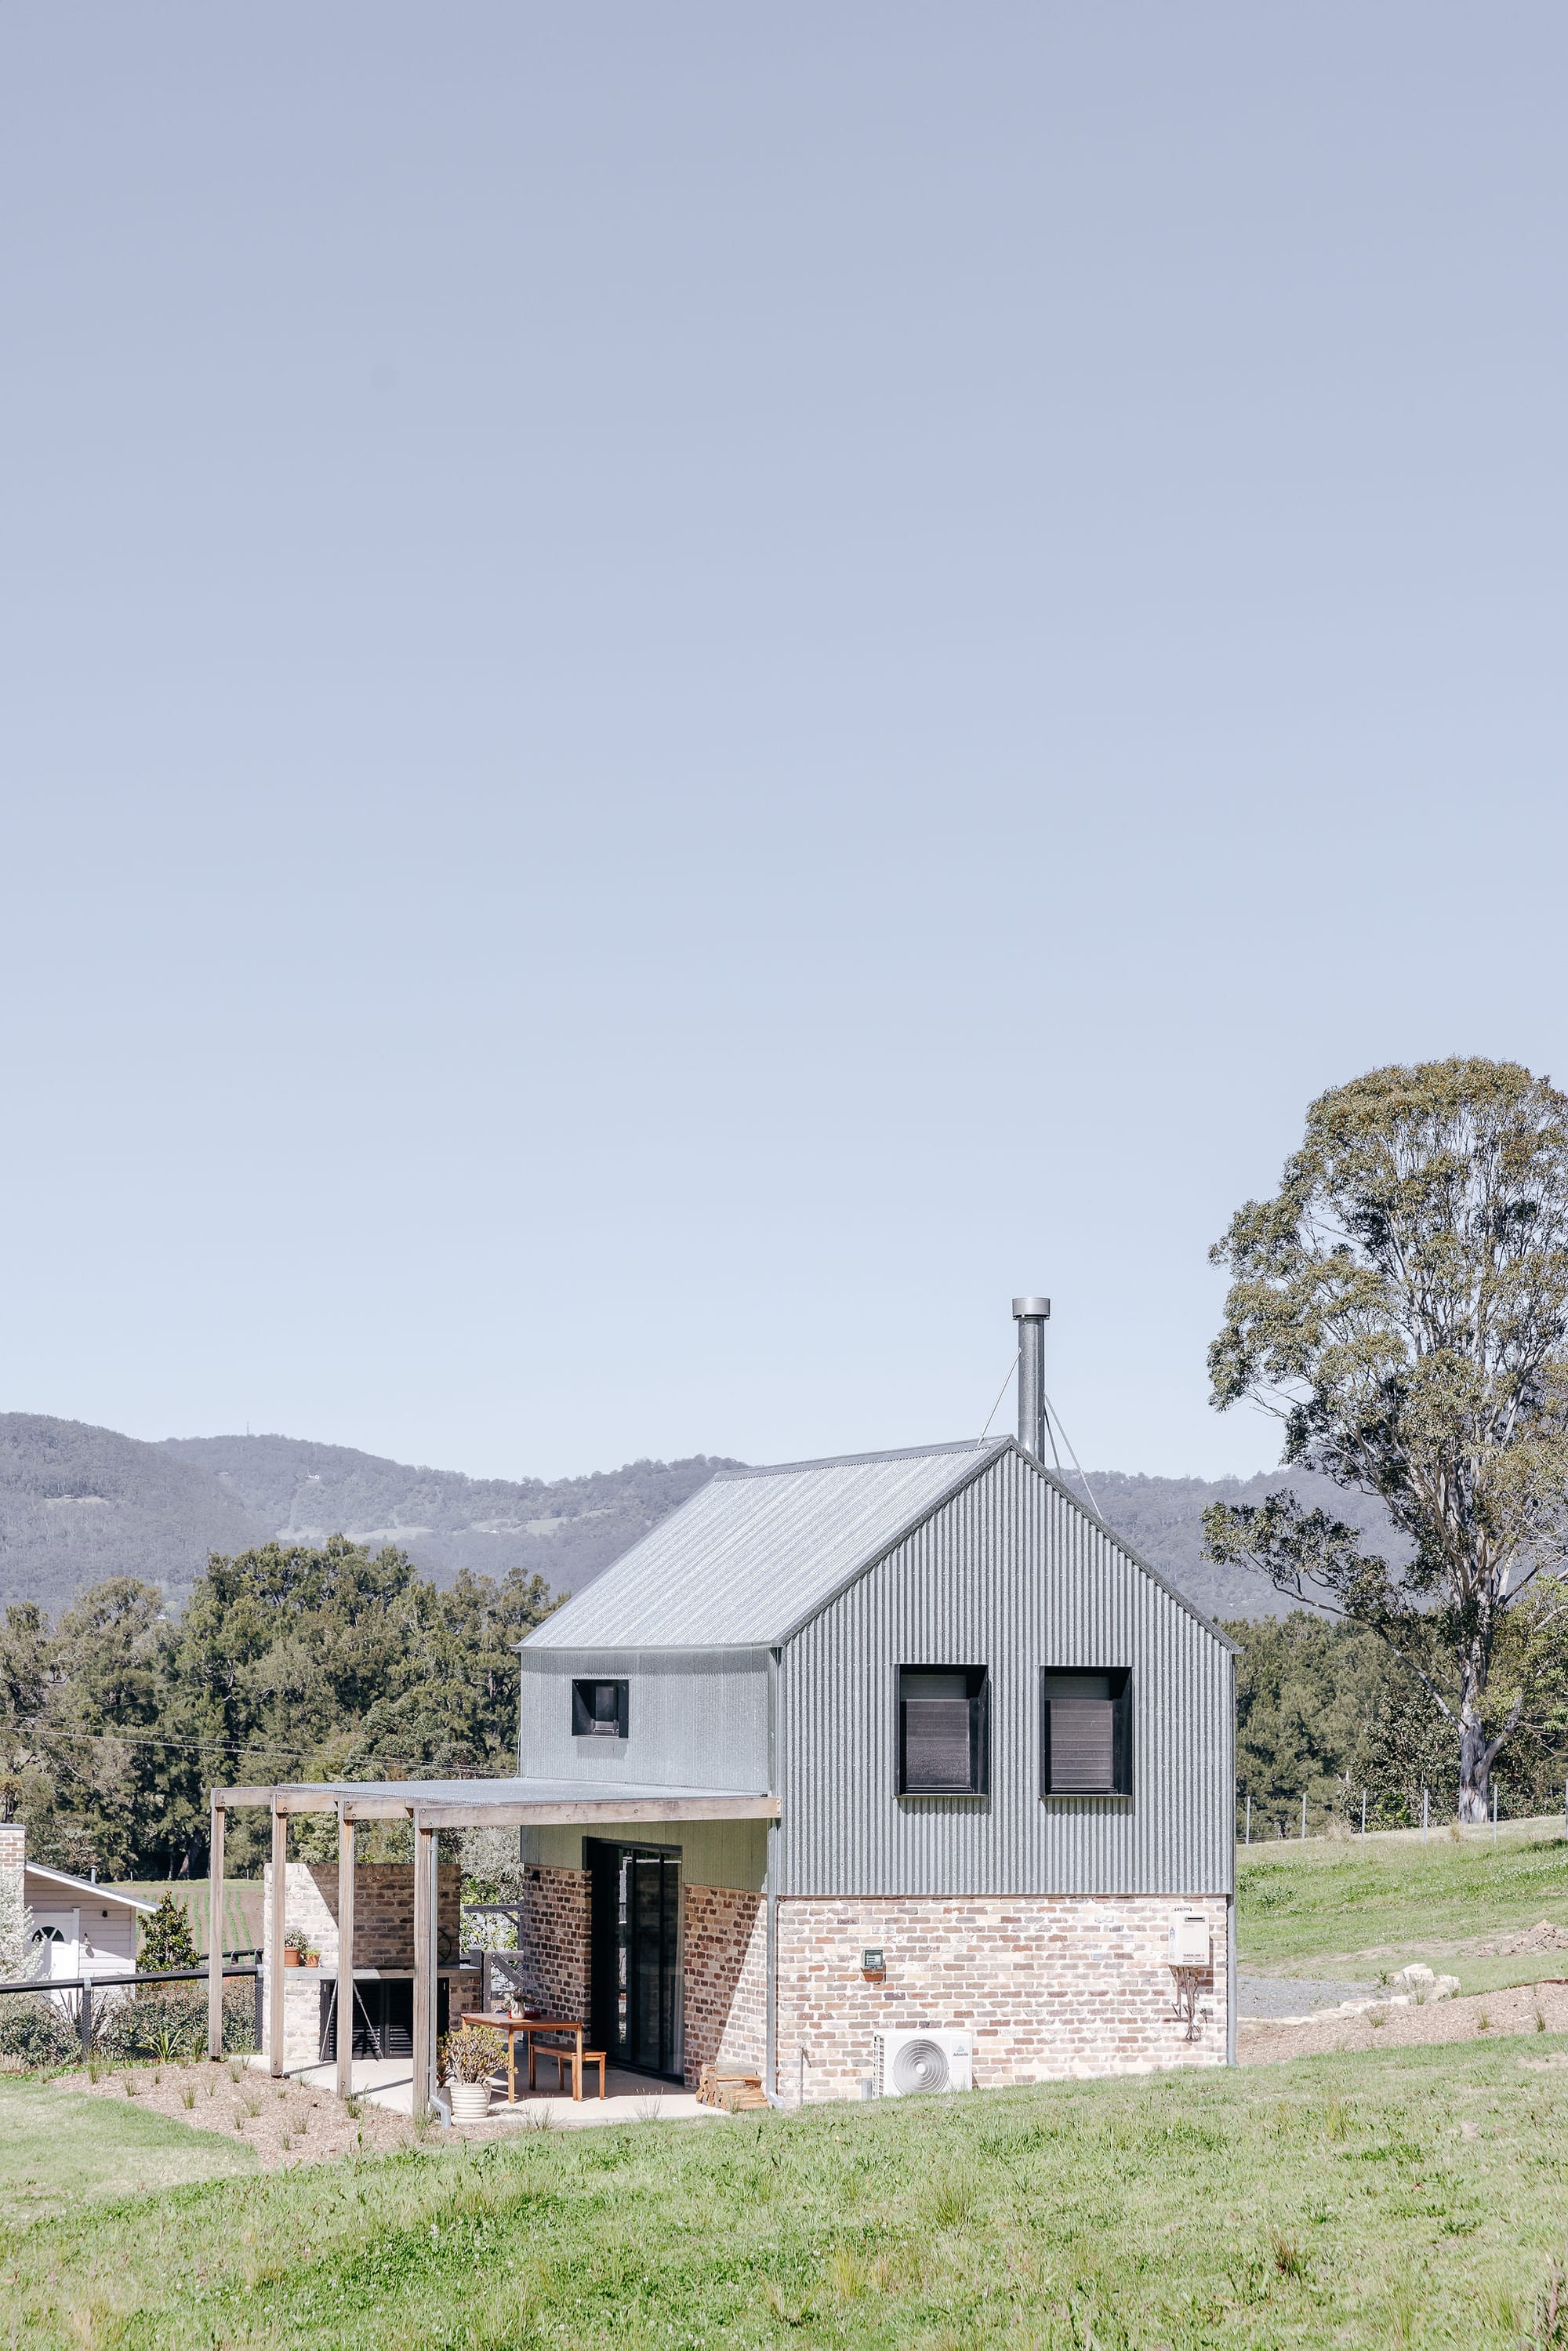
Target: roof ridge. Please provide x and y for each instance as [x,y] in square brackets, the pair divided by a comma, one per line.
[855,1460]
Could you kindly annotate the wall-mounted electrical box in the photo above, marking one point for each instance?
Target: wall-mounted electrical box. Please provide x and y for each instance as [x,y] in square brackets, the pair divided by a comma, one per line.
[1188,1940]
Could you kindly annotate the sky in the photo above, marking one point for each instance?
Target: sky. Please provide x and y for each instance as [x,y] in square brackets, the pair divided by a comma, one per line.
[686,692]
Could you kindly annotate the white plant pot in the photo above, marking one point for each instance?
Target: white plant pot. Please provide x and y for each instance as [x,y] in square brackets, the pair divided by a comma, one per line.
[470,2101]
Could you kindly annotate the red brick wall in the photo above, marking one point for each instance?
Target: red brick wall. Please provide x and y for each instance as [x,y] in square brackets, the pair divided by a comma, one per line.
[725,1979]
[1051,1987]
[555,1940]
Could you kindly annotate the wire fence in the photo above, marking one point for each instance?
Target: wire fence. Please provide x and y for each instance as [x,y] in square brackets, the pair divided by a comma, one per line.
[1340,1809]
[97,1997]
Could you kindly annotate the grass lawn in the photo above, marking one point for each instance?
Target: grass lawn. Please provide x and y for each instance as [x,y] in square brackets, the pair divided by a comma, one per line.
[1298,1904]
[1411,2197]
[57,2150]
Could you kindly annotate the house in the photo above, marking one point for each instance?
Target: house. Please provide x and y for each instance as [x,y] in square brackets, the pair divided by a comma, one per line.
[89,1929]
[1001,1749]
[895,1742]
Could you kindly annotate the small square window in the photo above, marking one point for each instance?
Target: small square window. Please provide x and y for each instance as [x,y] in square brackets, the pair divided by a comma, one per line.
[943,1730]
[1086,1732]
[599,1709]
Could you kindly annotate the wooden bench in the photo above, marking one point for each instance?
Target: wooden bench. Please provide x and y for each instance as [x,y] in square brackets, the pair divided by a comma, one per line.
[570,2058]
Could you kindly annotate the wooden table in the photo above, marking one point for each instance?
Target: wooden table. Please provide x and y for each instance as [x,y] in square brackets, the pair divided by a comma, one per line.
[528,2025]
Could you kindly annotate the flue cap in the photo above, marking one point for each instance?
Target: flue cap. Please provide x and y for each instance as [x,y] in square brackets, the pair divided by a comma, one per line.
[1028,1310]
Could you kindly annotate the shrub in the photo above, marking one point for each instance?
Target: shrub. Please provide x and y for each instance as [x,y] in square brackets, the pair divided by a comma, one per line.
[36,2031]
[166,1937]
[169,2022]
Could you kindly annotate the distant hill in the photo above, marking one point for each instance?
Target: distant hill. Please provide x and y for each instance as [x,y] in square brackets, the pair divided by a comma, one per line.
[566,1531]
[79,1503]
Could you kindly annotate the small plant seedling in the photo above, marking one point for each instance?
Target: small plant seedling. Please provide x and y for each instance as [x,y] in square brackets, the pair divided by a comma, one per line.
[354,2107]
[287,2142]
[129,2086]
[1541,2020]
[188,2096]
[1483,2023]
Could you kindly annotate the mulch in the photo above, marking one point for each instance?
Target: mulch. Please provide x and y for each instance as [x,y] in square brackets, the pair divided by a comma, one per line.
[1482,2016]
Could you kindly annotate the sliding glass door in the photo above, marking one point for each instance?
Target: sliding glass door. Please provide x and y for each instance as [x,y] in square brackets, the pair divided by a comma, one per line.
[636,1955]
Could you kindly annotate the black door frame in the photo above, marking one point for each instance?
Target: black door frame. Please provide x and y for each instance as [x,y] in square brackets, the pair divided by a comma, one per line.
[603,1858]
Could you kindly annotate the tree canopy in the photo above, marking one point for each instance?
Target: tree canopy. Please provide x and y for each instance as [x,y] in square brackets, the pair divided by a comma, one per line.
[287,1662]
[1402,1306]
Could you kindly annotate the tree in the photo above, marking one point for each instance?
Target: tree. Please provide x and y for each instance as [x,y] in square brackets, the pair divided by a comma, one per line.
[166,1934]
[1402,1306]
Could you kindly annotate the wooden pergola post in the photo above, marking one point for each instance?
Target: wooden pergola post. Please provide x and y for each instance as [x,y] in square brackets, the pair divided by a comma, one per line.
[345,1952]
[424,1909]
[215,1931]
[275,1967]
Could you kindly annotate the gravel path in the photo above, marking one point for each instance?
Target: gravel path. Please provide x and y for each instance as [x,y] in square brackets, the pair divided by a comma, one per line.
[1484,2016]
[1294,1995]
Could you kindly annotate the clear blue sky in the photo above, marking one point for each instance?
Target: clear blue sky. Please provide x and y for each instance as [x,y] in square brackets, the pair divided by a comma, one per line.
[687,690]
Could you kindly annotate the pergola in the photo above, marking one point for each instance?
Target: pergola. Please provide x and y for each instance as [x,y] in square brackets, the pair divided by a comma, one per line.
[431,1805]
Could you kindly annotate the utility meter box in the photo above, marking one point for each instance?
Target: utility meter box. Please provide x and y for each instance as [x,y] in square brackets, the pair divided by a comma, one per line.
[1188,1940]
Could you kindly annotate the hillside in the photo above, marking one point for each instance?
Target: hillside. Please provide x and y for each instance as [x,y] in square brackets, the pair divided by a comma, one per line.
[565,1531]
[79,1503]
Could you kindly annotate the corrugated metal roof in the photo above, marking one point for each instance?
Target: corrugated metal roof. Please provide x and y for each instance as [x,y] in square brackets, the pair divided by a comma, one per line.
[755,1551]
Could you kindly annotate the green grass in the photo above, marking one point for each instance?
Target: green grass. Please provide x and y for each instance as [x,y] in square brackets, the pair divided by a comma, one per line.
[57,2150]
[1327,1899]
[1334,2201]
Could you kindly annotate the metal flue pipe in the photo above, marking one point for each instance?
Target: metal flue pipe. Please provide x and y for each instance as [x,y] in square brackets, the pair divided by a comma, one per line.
[1031,1316]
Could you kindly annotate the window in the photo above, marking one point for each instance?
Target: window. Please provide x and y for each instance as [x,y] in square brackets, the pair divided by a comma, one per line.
[1087,1733]
[943,1730]
[599,1709]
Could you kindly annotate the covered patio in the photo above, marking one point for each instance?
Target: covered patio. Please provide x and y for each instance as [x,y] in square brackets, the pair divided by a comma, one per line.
[430,1807]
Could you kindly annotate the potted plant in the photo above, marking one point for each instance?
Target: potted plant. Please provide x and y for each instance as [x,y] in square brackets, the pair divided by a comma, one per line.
[296,1943]
[468,2057]
[312,1956]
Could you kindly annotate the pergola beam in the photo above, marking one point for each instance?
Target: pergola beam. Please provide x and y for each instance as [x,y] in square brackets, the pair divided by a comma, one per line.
[627,1808]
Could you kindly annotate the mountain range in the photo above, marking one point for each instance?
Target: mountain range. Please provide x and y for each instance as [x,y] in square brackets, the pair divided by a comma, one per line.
[80,1503]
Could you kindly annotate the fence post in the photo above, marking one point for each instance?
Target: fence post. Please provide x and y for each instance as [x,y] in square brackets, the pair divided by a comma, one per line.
[1303,1816]
[1425,1798]
[1494,1811]
[1249,1817]
[86,2015]
[1364,1816]
[260,1996]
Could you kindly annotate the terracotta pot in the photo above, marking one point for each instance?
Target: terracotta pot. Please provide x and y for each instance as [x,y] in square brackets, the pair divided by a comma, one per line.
[290,1957]
[312,1959]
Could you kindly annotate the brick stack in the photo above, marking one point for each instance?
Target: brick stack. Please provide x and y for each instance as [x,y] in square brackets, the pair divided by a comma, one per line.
[383,1932]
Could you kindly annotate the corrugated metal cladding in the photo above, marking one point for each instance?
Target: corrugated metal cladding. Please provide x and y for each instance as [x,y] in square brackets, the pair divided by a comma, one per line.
[754,1551]
[696,1718]
[1012,1575]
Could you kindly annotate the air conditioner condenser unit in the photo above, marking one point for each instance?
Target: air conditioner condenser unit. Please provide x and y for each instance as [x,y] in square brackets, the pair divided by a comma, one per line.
[910,2063]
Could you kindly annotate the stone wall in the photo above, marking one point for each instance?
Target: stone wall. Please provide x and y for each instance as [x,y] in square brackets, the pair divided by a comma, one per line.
[1050,1986]
[554,1955]
[725,1979]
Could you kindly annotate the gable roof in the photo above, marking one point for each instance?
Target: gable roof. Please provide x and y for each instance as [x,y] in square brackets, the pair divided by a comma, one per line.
[96,1893]
[754,1551]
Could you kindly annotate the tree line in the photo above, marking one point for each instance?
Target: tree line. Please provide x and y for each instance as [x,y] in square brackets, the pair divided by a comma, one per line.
[1320,1711]
[286,1662]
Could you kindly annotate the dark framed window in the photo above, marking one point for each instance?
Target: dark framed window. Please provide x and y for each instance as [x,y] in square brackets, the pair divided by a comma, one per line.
[599,1709]
[943,1730]
[1086,1732]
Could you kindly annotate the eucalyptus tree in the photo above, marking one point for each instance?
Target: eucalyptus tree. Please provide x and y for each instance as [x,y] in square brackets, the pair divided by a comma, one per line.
[1402,1306]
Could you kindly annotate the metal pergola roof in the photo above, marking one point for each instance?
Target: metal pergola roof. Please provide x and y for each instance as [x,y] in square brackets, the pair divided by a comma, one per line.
[500,1803]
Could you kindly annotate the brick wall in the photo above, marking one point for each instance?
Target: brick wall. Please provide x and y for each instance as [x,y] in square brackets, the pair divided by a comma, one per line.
[555,1940]
[725,1979]
[1051,1987]
[383,1933]
[13,1849]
